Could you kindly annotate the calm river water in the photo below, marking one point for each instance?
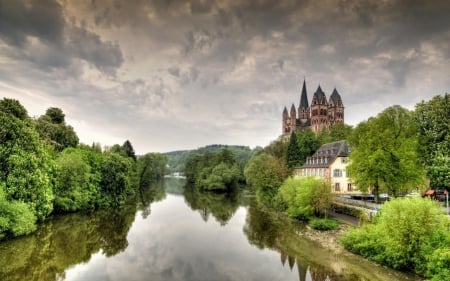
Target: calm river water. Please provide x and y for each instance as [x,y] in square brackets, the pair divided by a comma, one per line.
[171,234]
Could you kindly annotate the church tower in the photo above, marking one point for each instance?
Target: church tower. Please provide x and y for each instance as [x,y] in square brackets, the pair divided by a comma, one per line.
[293,118]
[303,108]
[321,114]
[319,108]
[335,109]
[285,127]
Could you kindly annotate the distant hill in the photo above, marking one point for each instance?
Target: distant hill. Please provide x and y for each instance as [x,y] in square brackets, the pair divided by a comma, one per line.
[177,159]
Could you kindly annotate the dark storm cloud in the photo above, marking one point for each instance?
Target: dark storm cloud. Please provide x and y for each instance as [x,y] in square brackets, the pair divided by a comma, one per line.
[19,19]
[223,69]
[38,32]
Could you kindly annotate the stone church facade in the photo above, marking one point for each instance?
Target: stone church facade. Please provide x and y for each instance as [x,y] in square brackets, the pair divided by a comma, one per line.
[321,114]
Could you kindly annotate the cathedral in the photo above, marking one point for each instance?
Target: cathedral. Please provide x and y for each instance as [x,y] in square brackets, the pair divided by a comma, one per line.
[321,114]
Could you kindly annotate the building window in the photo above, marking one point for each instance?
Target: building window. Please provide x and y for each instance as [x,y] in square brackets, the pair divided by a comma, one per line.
[343,160]
[337,173]
[349,187]
[337,187]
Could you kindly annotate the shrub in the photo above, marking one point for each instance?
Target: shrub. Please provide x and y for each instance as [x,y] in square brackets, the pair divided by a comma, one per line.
[406,234]
[324,224]
[306,197]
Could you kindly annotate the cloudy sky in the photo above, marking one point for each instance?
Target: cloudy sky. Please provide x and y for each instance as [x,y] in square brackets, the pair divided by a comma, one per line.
[171,75]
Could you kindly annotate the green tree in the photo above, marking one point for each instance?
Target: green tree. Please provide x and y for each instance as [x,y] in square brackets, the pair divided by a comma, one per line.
[24,163]
[433,119]
[56,115]
[308,143]
[408,234]
[150,168]
[129,150]
[77,188]
[115,181]
[337,132]
[265,173]
[306,197]
[384,153]
[293,156]
[439,172]
[53,129]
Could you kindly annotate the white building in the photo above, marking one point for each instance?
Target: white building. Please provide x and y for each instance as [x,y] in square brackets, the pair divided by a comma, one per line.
[330,162]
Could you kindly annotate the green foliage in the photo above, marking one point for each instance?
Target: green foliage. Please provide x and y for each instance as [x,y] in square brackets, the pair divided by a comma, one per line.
[324,224]
[337,132]
[13,108]
[438,266]
[150,168]
[77,187]
[115,180]
[439,172]
[306,197]
[209,171]
[308,144]
[24,163]
[406,235]
[56,115]
[53,130]
[176,160]
[266,173]
[433,119]
[384,153]
[293,157]
[16,217]
[129,150]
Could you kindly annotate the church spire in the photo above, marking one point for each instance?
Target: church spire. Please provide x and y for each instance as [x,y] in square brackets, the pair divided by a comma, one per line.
[303,98]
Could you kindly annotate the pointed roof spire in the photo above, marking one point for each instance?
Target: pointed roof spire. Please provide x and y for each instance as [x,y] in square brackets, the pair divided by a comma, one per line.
[335,98]
[304,97]
[285,112]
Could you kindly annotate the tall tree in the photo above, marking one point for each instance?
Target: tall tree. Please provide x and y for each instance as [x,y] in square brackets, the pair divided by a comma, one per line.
[293,154]
[24,163]
[433,119]
[53,129]
[308,144]
[384,153]
[129,149]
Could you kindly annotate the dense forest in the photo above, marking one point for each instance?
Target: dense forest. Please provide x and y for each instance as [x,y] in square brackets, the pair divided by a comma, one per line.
[45,170]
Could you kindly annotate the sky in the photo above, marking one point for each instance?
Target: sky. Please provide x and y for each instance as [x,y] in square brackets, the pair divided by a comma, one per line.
[173,75]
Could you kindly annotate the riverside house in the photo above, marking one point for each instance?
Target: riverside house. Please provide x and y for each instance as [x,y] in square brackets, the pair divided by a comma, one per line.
[330,162]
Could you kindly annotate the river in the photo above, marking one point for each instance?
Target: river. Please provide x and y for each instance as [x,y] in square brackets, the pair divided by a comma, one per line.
[167,233]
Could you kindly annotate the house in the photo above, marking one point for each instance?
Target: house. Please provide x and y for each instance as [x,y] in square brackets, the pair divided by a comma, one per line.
[330,162]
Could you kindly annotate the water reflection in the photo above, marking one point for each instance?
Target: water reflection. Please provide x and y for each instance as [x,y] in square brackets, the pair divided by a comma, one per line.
[168,240]
[64,241]
[67,240]
[147,195]
[221,206]
[266,229]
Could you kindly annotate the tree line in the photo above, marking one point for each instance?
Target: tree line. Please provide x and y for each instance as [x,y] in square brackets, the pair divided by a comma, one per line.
[44,170]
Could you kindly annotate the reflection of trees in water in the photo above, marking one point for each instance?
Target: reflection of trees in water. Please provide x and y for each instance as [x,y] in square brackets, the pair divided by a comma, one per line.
[221,206]
[174,185]
[267,229]
[70,239]
[152,193]
[65,241]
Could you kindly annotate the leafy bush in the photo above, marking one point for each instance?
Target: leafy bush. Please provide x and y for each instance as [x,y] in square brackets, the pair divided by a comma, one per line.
[406,235]
[324,224]
[266,173]
[306,197]
[439,264]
